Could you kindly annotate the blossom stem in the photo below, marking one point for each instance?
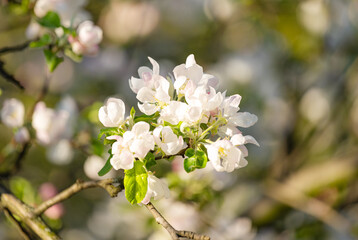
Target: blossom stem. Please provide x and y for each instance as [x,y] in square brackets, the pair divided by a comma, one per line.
[217,123]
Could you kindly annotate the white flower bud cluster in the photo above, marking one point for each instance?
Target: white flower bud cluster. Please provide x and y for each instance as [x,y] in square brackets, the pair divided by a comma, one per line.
[89,36]
[72,16]
[185,113]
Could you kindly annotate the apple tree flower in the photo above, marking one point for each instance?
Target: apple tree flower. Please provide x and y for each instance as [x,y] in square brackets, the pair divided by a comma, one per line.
[89,36]
[195,122]
[49,123]
[167,141]
[157,189]
[112,114]
[12,113]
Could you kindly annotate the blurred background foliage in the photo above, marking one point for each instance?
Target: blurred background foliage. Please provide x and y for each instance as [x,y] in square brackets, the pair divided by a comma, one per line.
[294,63]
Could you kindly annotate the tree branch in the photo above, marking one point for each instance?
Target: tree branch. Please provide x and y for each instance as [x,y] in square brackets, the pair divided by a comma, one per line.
[16,48]
[23,232]
[106,184]
[9,77]
[175,234]
[25,215]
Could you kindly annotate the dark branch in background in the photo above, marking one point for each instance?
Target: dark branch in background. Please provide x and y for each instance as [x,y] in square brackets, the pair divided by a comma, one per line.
[9,77]
[18,160]
[175,234]
[16,48]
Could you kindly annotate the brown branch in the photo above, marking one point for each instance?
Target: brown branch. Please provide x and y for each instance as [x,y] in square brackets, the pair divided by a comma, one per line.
[25,215]
[175,234]
[106,184]
[7,76]
[23,232]
[16,48]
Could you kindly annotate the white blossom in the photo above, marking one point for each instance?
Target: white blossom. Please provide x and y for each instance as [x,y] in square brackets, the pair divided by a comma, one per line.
[12,113]
[61,152]
[187,75]
[89,34]
[154,98]
[157,189]
[166,140]
[205,98]
[49,124]
[122,158]
[146,78]
[174,112]
[224,156]
[139,139]
[112,114]
[134,144]
[229,109]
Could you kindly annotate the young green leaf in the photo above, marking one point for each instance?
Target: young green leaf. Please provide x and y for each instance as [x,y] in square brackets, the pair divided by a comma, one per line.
[50,20]
[195,160]
[107,167]
[108,132]
[43,41]
[149,160]
[136,183]
[52,60]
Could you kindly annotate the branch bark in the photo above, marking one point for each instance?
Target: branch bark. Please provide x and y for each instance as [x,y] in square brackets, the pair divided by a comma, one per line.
[10,78]
[106,184]
[24,213]
[15,48]
[175,234]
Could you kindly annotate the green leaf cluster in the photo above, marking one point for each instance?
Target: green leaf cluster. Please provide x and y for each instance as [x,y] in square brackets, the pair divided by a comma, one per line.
[195,159]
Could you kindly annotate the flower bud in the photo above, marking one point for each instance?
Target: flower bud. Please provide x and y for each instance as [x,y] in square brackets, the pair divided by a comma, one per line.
[112,114]
[89,34]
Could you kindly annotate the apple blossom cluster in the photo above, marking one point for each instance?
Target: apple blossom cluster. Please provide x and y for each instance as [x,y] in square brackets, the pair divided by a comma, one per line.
[63,26]
[184,117]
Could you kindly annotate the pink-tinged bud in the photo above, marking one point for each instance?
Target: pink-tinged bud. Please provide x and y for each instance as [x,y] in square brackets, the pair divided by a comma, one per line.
[78,48]
[47,191]
[55,212]
[89,34]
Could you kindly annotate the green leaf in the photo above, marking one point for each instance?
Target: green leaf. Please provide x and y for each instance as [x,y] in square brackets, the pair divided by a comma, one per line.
[107,167]
[149,160]
[136,183]
[52,60]
[195,160]
[108,132]
[50,20]
[43,41]
[146,118]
